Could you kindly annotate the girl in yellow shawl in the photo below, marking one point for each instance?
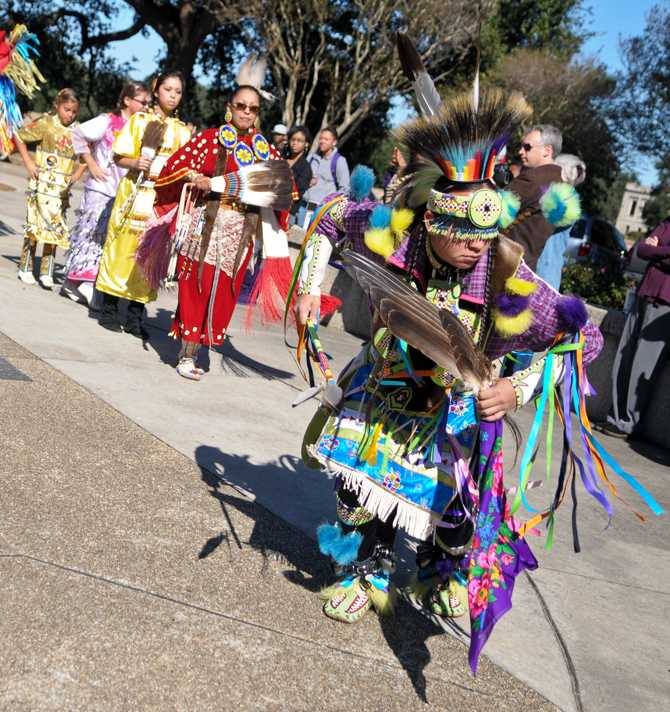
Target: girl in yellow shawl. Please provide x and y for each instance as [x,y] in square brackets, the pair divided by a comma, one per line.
[51,174]
[142,146]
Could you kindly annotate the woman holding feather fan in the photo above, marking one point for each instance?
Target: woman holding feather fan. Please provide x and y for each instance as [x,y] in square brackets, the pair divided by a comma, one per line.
[142,146]
[416,442]
[229,183]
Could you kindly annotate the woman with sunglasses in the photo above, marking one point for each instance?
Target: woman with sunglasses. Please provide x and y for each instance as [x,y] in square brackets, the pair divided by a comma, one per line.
[93,141]
[217,245]
[142,147]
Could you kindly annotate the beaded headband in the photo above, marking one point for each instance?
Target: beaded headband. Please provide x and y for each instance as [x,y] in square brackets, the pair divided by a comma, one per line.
[471,216]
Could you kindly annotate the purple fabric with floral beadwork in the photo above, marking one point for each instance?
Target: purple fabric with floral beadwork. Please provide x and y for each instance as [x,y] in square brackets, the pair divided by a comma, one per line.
[497,555]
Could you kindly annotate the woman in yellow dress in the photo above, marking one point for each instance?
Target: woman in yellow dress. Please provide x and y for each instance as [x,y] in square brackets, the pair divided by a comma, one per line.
[51,173]
[142,146]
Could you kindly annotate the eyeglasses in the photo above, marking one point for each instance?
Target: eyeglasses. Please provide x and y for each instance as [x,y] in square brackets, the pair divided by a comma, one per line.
[143,102]
[528,146]
[241,106]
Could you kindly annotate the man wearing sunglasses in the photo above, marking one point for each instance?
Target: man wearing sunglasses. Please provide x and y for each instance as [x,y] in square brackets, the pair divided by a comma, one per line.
[539,148]
[538,151]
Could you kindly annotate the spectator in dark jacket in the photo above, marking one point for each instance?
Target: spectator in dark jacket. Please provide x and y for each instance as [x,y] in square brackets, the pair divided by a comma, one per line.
[299,139]
[643,348]
[538,151]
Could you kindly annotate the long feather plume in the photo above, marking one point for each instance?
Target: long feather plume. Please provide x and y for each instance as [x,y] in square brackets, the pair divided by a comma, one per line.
[410,316]
[266,184]
[252,71]
[475,82]
[454,133]
[427,96]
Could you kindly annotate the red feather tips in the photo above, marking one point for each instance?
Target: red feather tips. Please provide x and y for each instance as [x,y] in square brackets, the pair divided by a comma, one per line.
[572,314]
[270,291]
[329,305]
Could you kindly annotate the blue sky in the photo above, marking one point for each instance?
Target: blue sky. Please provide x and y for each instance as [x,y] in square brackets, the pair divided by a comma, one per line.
[609,20]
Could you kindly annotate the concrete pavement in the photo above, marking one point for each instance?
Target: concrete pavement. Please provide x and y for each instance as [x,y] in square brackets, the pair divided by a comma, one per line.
[583,632]
[131,578]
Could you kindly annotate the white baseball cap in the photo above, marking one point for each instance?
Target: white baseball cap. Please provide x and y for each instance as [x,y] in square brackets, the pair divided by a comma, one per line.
[280,129]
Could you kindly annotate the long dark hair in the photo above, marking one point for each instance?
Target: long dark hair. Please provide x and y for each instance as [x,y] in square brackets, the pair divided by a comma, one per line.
[161,79]
[298,129]
[129,91]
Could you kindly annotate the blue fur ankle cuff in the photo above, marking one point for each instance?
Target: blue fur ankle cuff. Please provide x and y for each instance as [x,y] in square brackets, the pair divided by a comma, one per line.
[341,547]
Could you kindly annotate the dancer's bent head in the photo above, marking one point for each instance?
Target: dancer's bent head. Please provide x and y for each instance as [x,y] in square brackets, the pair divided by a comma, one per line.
[134,97]
[167,90]
[66,106]
[461,221]
[244,106]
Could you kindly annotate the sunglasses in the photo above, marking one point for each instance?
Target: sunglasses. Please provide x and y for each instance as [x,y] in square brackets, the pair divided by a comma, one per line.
[144,102]
[241,106]
[528,146]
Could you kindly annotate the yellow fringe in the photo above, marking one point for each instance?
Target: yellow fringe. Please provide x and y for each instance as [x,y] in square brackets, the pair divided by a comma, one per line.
[380,241]
[370,453]
[516,285]
[382,601]
[401,219]
[512,325]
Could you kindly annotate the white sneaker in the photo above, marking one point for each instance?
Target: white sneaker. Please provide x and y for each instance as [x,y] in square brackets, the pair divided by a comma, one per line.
[26,277]
[47,281]
[69,289]
[86,290]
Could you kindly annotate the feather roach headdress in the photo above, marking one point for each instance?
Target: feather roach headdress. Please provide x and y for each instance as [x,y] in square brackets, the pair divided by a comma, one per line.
[453,149]
[452,158]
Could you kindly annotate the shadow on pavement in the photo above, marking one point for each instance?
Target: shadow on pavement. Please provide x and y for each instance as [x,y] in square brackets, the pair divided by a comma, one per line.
[406,632]
[271,536]
[233,362]
[652,452]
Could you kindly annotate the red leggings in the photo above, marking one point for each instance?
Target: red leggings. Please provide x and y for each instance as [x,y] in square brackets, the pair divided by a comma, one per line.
[191,318]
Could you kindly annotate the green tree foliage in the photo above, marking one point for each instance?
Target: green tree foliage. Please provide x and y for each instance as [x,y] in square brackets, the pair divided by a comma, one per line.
[574,97]
[643,109]
[555,25]
[657,208]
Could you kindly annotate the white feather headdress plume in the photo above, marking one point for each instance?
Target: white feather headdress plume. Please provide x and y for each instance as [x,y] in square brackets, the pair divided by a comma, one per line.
[252,72]
[427,96]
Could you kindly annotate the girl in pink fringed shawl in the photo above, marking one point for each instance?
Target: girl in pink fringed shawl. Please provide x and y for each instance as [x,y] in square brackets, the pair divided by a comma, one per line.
[92,141]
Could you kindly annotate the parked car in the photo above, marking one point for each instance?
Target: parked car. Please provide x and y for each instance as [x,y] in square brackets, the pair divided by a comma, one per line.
[597,242]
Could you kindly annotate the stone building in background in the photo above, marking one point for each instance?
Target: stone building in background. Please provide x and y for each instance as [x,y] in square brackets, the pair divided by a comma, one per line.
[630,213]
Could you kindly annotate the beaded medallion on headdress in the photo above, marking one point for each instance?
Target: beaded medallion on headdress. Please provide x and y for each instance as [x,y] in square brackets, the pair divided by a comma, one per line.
[453,156]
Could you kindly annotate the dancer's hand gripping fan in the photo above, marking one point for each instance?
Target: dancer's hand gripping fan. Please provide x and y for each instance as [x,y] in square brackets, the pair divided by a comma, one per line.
[328,392]
[411,317]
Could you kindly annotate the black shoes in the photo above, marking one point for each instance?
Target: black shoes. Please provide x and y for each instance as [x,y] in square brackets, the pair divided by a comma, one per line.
[134,322]
[109,314]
